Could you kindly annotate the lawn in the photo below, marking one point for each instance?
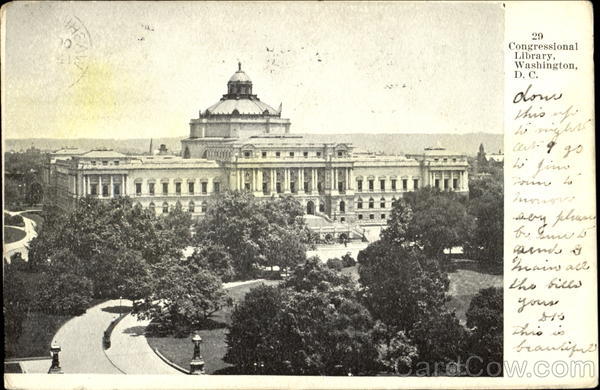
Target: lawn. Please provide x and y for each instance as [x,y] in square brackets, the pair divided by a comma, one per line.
[39,221]
[213,347]
[12,234]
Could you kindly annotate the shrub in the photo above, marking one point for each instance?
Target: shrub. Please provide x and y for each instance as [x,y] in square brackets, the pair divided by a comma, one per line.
[348,260]
[335,264]
[13,220]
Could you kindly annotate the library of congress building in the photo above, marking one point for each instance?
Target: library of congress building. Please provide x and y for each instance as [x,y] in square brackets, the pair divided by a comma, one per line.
[243,144]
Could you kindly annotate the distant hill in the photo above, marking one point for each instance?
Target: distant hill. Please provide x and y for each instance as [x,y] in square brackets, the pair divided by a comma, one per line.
[386,143]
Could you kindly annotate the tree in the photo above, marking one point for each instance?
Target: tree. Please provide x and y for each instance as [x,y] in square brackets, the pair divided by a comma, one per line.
[254,233]
[314,276]
[112,243]
[16,304]
[396,351]
[486,207]
[335,264]
[212,257]
[400,285]
[179,299]
[438,221]
[439,338]
[485,340]
[64,293]
[302,333]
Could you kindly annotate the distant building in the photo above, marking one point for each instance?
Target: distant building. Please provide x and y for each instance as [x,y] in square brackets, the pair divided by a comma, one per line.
[241,143]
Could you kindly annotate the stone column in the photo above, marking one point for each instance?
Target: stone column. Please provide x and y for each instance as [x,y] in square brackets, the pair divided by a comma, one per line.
[110,187]
[124,184]
[242,180]
[273,178]
[300,183]
[465,180]
[286,180]
[313,178]
[346,178]
[351,179]
[87,184]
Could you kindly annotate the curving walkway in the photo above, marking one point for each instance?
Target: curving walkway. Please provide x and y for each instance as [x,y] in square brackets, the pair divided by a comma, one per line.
[130,350]
[80,340]
[21,245]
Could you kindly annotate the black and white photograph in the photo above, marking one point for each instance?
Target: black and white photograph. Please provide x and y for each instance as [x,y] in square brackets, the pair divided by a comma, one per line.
[254,188]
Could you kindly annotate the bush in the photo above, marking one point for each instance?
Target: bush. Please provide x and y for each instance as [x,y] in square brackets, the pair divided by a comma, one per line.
[335,264]
[348,260]
[13,220]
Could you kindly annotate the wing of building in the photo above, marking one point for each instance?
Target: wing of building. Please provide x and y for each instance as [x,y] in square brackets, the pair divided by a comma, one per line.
[241,143]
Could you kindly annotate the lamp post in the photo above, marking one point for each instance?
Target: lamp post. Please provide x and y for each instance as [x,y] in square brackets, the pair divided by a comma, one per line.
[55,367]
[197,363]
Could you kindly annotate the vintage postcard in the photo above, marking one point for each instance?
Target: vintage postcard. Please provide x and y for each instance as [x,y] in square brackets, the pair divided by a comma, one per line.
[302,195]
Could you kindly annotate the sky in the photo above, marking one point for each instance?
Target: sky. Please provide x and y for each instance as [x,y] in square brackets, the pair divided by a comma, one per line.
[144,69]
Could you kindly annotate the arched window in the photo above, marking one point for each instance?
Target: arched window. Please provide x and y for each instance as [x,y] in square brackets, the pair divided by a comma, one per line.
[359,203]
[203,207]
[371,203]
[342,207]
[152,207]
[165,208]
[382,203]
[191,206]
[393,201]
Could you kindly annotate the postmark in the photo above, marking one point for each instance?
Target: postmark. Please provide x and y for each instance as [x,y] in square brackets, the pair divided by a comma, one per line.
[74,46]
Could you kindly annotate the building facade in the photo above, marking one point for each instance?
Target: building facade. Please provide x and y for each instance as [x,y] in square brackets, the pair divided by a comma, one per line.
[243,144]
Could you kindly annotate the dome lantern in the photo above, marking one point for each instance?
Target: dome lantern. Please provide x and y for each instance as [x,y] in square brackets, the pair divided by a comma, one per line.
[239,84]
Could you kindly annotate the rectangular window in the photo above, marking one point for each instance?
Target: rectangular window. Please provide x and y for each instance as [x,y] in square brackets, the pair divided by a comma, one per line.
[393,184]
[446,184]
[340,186]
[104,162]
[437,183]
[191,187]
[293,187]
[116,162]
[318,154]
[105,190]
[138,188]
[247,186]
[116,189]
[93,162]
[371,185]
[217,187]
[305,154]
[151,188]
[359,185]
[246,154]
[278,187]
[264,189]
[204,186]
[416,184]
[305,186]
[455,183]
[178,188]
[340,154]
[94,189]
[277,154]
[360,216]
[382,216]
[371,216]
[291,154]
[404,184]
[165,188]
[264,154]
[382,185]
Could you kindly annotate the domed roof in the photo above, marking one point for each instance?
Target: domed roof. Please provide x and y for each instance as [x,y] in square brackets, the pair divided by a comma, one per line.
[240,76]
[241,107]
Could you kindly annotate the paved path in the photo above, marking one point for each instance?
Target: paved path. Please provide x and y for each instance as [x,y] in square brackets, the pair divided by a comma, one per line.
[80,339]
[130,350]
[21,245]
